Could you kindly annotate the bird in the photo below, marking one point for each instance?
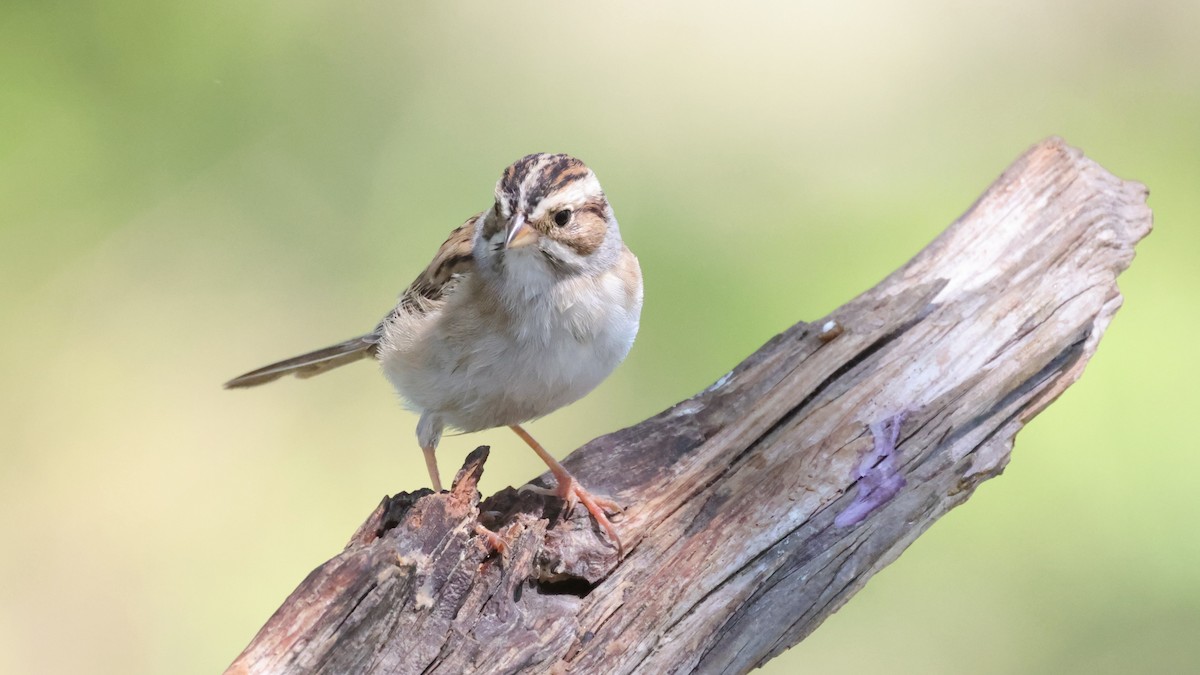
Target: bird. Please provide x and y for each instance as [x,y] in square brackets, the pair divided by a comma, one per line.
[524,309]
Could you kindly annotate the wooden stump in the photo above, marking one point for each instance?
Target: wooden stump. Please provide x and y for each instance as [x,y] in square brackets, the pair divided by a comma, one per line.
[757,507]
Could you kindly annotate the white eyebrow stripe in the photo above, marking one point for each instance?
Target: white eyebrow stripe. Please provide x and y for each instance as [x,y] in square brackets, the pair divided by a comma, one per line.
[573,195]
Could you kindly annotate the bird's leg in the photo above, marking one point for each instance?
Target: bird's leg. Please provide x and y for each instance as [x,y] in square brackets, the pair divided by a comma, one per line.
[431,464]
[429,432]
[493,540]
[570,491]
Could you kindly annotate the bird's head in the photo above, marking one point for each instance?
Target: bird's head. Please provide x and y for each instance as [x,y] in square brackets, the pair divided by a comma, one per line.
[550,217]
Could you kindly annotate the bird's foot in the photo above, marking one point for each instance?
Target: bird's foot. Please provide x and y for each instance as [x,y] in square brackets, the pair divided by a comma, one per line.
[571,492]
[494,542]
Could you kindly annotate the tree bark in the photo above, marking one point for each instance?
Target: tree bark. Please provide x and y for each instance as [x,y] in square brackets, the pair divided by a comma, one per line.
[759,506]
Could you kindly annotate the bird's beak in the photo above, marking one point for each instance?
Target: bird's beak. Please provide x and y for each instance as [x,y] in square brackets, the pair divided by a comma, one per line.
[520,233]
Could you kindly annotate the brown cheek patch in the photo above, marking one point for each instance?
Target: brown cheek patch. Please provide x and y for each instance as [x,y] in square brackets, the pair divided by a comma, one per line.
[587,234]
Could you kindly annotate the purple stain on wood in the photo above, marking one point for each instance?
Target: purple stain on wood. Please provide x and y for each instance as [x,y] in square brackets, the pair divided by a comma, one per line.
[878,478]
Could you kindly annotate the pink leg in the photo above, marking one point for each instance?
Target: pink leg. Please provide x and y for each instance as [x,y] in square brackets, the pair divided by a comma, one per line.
[492,539]
[431,464]
[570,491]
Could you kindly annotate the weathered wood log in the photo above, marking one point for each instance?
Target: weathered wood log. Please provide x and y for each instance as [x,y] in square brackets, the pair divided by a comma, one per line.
[757,507]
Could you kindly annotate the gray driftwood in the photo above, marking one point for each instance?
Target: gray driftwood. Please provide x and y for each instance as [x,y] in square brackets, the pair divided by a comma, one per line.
[759,506]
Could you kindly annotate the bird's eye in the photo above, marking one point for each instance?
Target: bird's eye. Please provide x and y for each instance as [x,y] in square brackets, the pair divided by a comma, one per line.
[562,217]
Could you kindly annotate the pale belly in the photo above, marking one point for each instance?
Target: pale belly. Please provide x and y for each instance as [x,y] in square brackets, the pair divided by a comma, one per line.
[478,372]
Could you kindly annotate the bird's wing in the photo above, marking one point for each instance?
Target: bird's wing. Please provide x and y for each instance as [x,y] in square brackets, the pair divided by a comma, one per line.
[453,263]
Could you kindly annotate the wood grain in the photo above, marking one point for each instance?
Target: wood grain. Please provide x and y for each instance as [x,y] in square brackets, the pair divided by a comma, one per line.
[732,551]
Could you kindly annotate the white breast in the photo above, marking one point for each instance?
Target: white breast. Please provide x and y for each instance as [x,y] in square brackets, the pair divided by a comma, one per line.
[482,361]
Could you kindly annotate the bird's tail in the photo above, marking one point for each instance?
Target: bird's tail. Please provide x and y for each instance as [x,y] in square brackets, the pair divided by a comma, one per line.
[312,363]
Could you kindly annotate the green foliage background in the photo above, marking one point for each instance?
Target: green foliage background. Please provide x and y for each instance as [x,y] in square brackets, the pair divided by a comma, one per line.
[188,190]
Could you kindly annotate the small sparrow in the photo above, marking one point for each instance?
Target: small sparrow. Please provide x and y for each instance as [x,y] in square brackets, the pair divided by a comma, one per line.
[524,309]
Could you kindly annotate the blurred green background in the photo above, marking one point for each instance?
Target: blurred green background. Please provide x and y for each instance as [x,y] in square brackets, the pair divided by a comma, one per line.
[190,190]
